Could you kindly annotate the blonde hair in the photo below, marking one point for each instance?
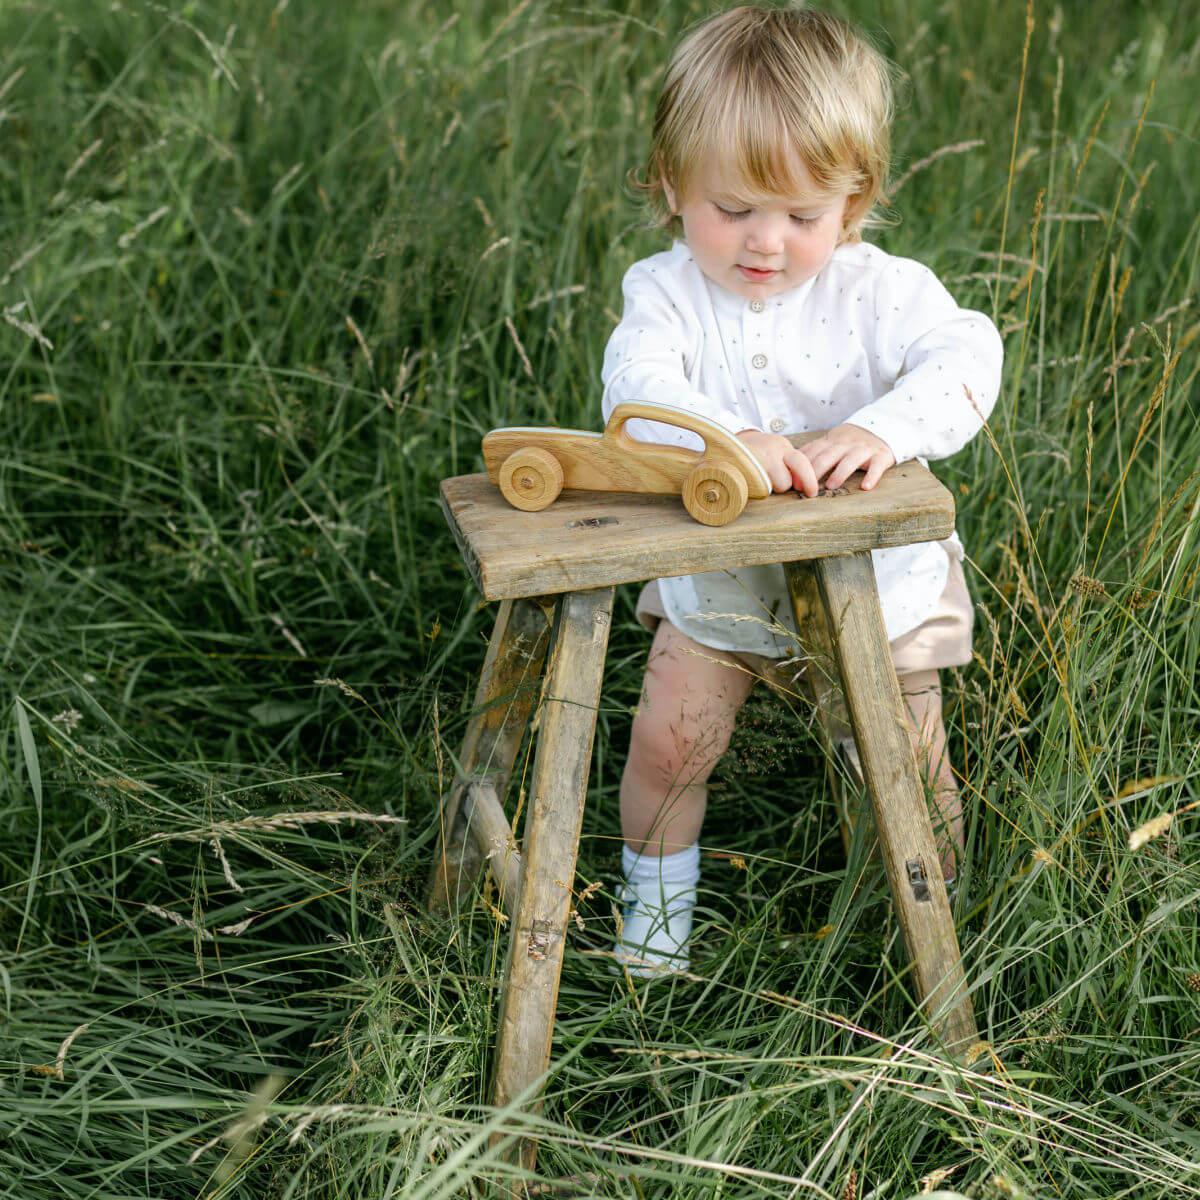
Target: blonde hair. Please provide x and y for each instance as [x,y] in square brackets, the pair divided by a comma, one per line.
[754,85]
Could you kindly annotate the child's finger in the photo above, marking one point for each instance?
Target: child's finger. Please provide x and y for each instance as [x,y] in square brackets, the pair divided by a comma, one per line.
[814,448]
[779,475]
[821,458]
[852,459]
[777,472]
[772,462]
[804,475]
[875,469]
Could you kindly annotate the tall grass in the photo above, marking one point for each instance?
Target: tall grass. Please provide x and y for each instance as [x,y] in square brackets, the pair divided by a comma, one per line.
[267,272]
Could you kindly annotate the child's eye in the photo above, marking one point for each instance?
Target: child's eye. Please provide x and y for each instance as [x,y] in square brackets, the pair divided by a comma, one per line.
[804,220]
[726,215]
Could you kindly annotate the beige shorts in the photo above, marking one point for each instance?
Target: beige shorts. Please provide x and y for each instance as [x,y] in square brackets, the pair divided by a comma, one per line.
[942,640]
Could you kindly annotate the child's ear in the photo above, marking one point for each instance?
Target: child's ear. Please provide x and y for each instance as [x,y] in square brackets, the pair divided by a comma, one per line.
[669,192]
[850,218]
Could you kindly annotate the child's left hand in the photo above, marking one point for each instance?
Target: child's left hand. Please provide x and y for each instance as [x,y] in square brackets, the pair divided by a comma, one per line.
[846,449]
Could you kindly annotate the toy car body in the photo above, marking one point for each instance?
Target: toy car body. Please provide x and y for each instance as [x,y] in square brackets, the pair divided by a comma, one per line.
[532,465]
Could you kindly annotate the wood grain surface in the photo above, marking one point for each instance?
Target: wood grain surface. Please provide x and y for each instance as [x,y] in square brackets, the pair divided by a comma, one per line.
[494,841]
[504,698]
[557,791]
[880,721]
[823,684]
[593,539]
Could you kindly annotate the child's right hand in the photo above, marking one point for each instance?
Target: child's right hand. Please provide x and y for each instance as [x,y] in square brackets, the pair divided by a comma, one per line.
[786,466]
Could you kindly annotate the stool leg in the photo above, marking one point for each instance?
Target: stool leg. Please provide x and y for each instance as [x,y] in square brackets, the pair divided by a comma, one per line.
[879,719]
[567,724]
[504,699]
[822,683]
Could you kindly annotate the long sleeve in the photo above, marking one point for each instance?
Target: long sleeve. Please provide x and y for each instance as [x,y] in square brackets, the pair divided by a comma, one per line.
[942,363]
[650,356]
[872,339]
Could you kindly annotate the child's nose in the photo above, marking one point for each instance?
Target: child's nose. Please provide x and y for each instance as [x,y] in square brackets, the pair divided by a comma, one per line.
[765,236]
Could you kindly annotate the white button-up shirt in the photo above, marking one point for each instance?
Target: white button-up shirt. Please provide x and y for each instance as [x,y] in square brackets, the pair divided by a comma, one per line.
[871,340]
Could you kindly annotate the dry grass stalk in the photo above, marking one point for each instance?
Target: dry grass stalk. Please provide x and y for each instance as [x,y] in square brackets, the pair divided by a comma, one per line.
[1087,146]
[11,82]
[22,261]
[28,328]
[78,164]
[286,178]
[130,235]
[294,820]
[1153,828]
[1025,283]
[205,934]
[498,244]
[352,325]
[289,636]
[219,851]
[55,1070]
[238,1134]
[342,686]
[512,329]
[1012,160]
[930,159]
[1157,826]
[935,1179]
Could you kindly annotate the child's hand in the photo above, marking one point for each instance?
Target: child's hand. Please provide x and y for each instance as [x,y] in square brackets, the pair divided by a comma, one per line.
[846,449]
[786,466]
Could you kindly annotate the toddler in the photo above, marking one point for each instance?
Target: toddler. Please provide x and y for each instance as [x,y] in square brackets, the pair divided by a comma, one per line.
[771,316]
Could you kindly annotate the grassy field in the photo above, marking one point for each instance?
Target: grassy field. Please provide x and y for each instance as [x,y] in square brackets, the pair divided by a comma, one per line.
[267,273]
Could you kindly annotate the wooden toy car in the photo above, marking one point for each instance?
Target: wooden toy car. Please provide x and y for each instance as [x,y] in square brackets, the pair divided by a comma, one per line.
[532,465]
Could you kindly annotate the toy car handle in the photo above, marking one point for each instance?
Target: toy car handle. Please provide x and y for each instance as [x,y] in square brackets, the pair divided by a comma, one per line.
[719,444]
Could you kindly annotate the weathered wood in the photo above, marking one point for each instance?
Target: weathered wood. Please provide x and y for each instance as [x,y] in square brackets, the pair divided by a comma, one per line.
[558,790]
[879,719]
[504,698]
[822,683]
[489,829]
[592,539]
[613,461]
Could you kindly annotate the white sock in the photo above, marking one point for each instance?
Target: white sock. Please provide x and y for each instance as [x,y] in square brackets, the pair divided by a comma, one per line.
[658,898]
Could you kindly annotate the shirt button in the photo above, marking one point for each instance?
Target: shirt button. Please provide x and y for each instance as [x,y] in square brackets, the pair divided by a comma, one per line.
[757,306]
[777,424]
[759,361]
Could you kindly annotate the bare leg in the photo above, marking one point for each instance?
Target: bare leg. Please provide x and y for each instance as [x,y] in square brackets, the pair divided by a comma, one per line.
[690,698]
[922,691]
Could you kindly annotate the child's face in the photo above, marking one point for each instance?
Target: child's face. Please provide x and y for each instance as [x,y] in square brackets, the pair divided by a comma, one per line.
[757,248]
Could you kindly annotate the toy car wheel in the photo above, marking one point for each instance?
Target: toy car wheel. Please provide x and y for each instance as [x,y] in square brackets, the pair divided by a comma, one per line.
[531,478]
[714,494]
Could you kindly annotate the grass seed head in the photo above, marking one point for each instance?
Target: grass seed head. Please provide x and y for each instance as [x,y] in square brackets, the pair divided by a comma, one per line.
[1084,585]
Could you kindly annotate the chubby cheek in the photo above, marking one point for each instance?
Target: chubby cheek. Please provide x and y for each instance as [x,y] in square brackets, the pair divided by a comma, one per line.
[712,236]
[813,252]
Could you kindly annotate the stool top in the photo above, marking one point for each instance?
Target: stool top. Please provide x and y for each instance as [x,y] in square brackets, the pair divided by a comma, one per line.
[592,539]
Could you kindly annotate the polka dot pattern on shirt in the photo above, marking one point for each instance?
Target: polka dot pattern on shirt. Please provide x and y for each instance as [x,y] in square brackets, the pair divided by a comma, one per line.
[828,364]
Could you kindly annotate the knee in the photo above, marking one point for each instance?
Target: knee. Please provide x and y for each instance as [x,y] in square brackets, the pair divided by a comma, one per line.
[922,692]
[678,750]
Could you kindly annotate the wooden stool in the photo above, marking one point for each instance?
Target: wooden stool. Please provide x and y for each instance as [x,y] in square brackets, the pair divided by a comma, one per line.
[554,572]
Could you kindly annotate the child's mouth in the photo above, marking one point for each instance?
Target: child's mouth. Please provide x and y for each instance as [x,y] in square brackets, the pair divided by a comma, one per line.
[755,275]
